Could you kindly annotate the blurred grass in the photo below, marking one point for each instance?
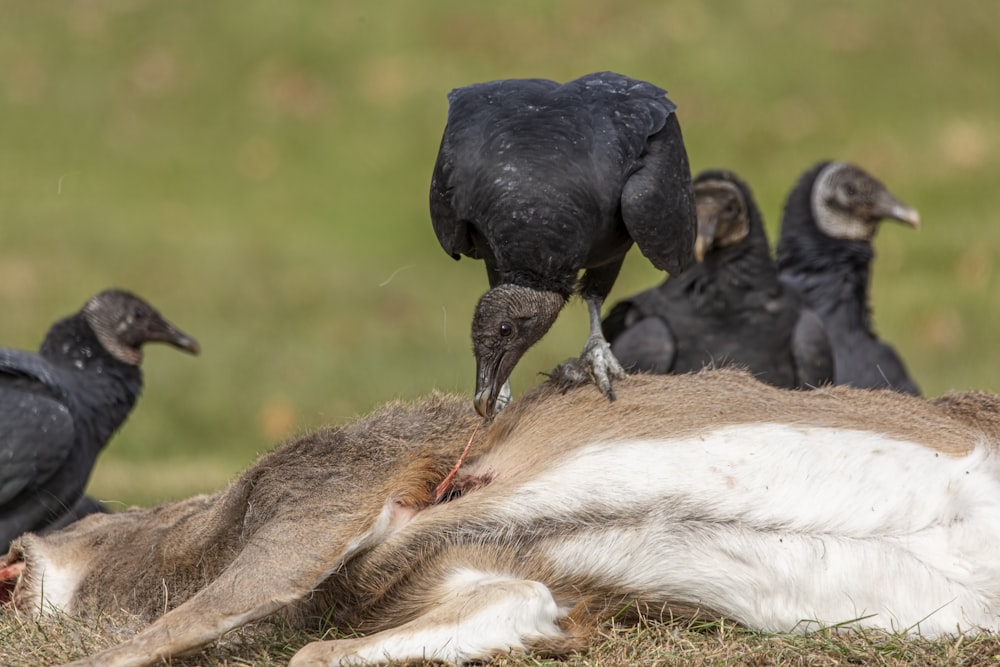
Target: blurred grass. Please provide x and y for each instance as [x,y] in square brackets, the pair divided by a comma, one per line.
[259,171]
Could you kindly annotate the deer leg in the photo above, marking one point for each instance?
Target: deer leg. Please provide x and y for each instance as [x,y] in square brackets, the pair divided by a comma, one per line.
[474,615]
[255,584]
[266,576]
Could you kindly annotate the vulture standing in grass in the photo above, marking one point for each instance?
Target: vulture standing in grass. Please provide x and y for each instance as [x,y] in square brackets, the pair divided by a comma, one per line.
[59,407]
[825,253]
[729,308]
[541,180]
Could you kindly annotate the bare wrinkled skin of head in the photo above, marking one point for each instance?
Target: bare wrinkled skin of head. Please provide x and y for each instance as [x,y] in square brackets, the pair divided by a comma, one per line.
[848,203]
[124,322]
[722,216]
[508,320]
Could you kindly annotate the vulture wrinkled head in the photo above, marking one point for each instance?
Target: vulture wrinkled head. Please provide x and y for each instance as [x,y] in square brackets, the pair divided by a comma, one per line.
[848,203]
[723,216]
[123,323]
[508,320]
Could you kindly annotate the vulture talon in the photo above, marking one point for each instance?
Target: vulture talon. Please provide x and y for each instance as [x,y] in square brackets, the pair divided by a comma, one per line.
[603,366]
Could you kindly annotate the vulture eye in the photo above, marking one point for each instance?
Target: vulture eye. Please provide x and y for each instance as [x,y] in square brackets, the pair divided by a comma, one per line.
[140,313]
[506,329]
[731,209]
[850,190]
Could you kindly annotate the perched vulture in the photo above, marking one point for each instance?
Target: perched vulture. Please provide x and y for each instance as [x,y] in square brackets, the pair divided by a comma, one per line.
[59,407]
[825,254]
[729,308]
[541,180]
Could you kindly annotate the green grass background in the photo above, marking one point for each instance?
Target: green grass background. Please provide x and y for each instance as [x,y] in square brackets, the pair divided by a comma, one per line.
[259,170]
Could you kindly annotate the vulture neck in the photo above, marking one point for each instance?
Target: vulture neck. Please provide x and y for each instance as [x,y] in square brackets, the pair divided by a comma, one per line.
[104,389]
[736,277]
[833,275]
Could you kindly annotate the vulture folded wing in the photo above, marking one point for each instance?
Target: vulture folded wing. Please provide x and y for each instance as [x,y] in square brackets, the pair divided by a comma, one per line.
[658,203]
[811,352]
[451,232]
[36,427]
[465,168]
[646,346]
[618,320]
[891,367]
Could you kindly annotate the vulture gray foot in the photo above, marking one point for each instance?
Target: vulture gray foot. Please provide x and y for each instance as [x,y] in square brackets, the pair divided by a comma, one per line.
[603,365]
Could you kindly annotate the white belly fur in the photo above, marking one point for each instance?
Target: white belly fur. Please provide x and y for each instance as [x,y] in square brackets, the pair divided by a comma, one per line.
[786,528]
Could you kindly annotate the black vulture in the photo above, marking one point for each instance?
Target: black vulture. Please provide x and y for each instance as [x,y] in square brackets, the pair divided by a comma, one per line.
[59,407]
[729,308]
[541,180]
[825,253]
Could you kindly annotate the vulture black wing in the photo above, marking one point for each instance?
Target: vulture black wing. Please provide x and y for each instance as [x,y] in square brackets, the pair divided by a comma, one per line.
[641,138]
[811,351]
[617,320]
[451,232]
[658,204]
[477,115]
[36,424]
[553,178]
[640,342]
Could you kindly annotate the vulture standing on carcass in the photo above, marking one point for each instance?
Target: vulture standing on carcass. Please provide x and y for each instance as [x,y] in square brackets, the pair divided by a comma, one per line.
[541,180]
[728,309]
[825,253]
[59,407]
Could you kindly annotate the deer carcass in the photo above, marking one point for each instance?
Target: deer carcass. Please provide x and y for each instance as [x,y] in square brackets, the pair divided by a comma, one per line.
[707,494]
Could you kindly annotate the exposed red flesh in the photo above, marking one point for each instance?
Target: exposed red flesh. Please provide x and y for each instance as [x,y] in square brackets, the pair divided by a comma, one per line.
[9,575]
[445,484]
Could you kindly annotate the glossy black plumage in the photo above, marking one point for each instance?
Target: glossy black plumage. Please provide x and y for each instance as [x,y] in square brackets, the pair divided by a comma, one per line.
[825,253]
[727,309]
[59,407]
[541,181]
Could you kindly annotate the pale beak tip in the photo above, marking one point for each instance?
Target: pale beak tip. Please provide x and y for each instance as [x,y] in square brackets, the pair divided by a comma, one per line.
[908,215]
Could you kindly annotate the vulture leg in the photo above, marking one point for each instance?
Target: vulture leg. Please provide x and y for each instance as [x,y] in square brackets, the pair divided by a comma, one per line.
[597,352]
[594,288]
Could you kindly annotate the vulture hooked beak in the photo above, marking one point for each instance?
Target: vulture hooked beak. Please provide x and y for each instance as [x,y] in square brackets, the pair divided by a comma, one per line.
[159,330]
[888,207]
[707,226]
[491,377]
[485,402]
[905,214]
[721,213]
